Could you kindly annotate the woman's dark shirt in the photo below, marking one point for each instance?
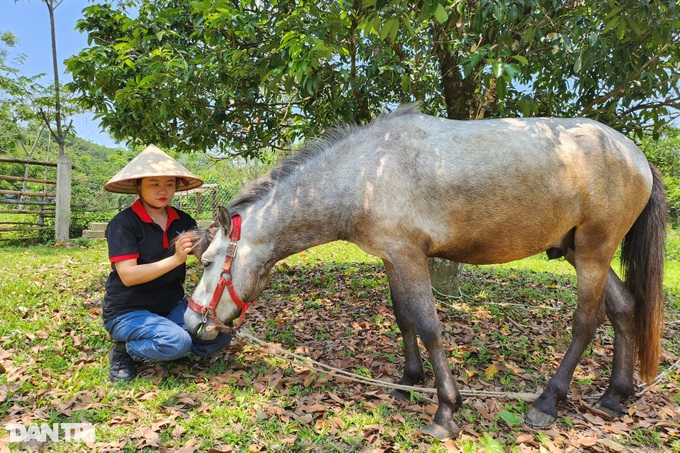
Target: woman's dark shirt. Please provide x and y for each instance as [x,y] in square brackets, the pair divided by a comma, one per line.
[132,234]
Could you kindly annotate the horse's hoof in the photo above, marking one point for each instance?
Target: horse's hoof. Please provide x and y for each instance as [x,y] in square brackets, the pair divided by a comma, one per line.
[538,419]
[611,412]
[401,395]
[442,433]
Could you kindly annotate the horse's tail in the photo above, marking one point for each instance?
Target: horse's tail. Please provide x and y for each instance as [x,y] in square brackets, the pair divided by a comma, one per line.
[642,259]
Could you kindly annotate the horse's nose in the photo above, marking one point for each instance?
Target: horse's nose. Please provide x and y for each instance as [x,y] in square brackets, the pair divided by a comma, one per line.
[193,322]
[196,327]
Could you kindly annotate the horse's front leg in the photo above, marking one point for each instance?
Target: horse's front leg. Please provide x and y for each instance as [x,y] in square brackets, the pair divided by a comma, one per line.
[415,312]
[591,277]
[413,365]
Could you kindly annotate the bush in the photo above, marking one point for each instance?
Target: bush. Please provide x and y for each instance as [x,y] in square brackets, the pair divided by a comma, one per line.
[673,245]
[79,221]
[665,154]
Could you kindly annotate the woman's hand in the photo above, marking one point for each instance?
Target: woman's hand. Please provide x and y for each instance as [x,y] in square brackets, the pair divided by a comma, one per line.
[212,231]
[132,273]
[183,247]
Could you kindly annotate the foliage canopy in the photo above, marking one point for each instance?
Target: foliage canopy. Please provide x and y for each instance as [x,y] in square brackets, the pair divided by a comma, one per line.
[241,76]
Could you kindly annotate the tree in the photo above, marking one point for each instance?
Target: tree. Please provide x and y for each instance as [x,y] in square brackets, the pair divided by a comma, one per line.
[665,154]
[21,98]
[63,208]
[52,111]
[214,77]
[237,76]
[46,110]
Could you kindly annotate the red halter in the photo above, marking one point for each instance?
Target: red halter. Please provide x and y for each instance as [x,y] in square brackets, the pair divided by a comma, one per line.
[208,312]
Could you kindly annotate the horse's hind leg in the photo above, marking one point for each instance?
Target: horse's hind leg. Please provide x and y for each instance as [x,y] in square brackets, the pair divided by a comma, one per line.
[621,312]
[415,312]
[591,274]
[620,308]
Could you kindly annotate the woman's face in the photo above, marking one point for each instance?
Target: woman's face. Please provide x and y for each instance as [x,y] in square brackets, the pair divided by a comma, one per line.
[158,191]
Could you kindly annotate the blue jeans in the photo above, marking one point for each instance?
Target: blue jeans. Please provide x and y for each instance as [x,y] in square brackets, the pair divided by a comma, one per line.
[149,336]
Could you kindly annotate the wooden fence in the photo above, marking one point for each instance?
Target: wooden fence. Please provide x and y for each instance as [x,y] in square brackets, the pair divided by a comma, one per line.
[26,202]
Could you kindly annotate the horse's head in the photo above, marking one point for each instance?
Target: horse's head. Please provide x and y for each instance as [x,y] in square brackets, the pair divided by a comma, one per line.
[230,283]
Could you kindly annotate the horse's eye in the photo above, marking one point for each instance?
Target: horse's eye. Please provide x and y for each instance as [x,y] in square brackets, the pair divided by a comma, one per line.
[206,263]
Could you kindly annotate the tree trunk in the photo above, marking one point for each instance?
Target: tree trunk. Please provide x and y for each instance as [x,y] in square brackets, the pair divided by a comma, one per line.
[63,199]
[63,202]
[459,93]
[445,276]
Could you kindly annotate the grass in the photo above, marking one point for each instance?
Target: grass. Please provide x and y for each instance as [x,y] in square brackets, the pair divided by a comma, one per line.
[331,303]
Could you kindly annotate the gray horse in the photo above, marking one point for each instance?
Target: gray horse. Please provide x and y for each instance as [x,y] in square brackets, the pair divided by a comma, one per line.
[410,186]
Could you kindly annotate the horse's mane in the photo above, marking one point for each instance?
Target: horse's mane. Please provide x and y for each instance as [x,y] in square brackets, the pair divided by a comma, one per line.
[200,240]
[261,187]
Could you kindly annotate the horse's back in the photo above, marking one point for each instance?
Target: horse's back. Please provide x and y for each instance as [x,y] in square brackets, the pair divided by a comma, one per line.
[519,143]
[502,189]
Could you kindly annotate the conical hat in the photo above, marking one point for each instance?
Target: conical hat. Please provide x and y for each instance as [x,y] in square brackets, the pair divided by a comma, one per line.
[151,162]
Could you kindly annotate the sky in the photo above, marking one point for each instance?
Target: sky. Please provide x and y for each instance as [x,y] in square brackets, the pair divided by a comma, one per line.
[29,20]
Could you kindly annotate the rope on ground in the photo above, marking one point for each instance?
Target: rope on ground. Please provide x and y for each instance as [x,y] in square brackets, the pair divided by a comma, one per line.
[658,379]
[448,296]
[462,296]
[244,335]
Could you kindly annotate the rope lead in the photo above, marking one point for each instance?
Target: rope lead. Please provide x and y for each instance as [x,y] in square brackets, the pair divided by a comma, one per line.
[244,335]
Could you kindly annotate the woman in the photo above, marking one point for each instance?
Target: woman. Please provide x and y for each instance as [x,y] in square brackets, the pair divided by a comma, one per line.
[144,304]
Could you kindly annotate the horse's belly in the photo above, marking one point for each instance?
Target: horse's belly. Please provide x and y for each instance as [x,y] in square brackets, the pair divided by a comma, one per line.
[488,253]
[505,244]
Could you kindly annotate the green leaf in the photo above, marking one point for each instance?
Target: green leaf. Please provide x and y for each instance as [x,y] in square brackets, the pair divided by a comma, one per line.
[611,24]
[613,13]
[621,29]
[497,68]
[510,70]
[501,91]
[390,28]
[510,418]
[577,65]
[521,59]
[394,30]
[633,24]
[375,26]
[440,14]
[475,57]
[491,445]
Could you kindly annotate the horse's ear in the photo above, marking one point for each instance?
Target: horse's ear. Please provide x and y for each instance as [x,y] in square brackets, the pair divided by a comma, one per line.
[225,220]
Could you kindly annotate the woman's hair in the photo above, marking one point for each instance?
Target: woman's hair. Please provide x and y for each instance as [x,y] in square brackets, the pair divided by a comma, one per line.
[138,183]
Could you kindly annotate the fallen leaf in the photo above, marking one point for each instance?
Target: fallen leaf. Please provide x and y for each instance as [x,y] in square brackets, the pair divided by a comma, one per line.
[611,445]
[593,410]
[525,439]
[306,419]
[150,438]
[587,441]
[491,371]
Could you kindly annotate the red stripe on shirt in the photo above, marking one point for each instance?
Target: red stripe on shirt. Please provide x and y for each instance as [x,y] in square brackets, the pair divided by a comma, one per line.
[138,208]
[115,259]
[172,216]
